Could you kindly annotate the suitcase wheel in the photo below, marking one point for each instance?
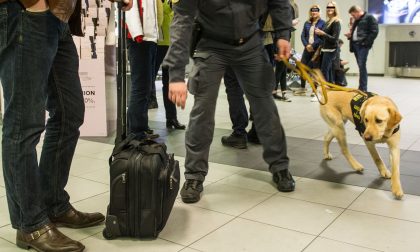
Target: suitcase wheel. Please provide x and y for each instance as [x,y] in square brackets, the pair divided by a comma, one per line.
[107,235]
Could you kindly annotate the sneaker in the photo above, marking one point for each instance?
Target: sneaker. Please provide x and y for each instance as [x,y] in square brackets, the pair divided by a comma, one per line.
[252,136]
[284,181]
[314,99]
[312,94]
[284,98]
[191,191]
[276,96]
[235,141]
[300,92]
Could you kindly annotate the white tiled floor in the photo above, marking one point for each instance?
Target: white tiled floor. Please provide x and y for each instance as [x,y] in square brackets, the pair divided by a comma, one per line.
[241,210]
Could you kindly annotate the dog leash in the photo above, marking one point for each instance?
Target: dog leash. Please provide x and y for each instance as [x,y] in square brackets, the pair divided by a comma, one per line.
[315,78]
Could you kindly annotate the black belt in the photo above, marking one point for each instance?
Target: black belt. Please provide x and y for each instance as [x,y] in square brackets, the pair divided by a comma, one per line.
[234,42]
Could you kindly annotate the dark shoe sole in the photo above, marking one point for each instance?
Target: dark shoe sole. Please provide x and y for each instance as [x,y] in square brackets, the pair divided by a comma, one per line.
[286,190]
[27,246]
[90,224]
[191,200]
[237,146]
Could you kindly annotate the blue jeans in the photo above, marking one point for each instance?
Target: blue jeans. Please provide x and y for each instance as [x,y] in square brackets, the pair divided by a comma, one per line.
[237,108]
[306,59]
[327,65]
[39,71]
[361,52]
[142,65]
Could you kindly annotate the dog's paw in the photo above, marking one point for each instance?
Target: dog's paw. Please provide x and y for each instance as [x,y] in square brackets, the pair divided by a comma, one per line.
[398,194]
[328,156]
[386,174]
[358,167]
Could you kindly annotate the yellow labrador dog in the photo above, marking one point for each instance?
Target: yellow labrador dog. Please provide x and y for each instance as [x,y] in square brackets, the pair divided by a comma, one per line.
[377,120]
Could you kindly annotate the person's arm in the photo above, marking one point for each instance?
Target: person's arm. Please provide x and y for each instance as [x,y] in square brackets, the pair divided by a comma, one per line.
[303,35]
[178,54]
[280,11]
[372,32]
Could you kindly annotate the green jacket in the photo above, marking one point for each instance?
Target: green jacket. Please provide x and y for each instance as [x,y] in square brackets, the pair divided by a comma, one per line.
[168,14]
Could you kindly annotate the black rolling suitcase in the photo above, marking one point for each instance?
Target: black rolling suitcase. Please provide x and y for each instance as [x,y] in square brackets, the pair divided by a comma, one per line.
[144,179]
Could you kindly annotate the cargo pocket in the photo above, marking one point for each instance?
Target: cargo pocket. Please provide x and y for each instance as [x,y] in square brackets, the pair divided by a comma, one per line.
[3,27]
[197,74]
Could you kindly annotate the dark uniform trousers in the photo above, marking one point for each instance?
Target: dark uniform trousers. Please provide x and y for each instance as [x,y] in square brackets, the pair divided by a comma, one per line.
[253,70]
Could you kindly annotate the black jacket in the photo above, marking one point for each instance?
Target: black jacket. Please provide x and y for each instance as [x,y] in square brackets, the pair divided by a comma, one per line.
[367,31]
[221,20]
[330,39]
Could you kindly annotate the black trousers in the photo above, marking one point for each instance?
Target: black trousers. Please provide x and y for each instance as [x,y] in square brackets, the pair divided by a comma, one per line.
[255,73]
[237,109]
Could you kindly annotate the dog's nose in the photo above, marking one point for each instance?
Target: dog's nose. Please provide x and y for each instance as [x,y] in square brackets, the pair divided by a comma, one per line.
[368,137]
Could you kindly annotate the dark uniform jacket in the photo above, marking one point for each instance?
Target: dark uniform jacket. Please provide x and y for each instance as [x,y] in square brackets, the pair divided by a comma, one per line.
[367,31]
[224,21]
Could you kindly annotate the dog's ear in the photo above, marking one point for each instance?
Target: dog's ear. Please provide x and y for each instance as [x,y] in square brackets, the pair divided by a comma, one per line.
[394,117]
[363,109]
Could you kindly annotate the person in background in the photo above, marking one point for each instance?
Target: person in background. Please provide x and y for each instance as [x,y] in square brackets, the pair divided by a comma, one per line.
[237,112]
[329,35]
[162,49]
[363,33]
[143,22]
[311,42]
[339,67]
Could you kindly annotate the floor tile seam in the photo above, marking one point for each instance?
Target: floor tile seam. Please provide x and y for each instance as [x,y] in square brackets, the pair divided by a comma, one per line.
[276,226]
[335,219]
[384,216]
[75,202]
[356,245]
[239,187]
[1,238]
[5,225]
[309,201]
[86,156]
[191,248]
[212,231]
[90,180]
[82,174]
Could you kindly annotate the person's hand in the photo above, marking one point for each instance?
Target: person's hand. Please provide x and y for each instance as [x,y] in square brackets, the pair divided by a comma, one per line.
[127,4]
[178,93]
[283,50]
[319,32]
[295,22]
[344,62]
[309,48]
[348,35]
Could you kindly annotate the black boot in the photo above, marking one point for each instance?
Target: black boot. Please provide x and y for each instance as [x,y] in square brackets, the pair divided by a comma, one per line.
[173,123]
[252,136]
[153,104]
[191,191]
[235,140]
[284,181]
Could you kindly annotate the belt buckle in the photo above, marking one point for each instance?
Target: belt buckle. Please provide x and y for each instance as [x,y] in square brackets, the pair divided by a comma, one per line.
[241,41]
[35,235]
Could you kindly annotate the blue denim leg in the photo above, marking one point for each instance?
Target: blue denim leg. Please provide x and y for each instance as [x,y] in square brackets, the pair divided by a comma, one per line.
[361,53]
[326,65]
[142,64]
[28,59]
[237,109]
[306,59]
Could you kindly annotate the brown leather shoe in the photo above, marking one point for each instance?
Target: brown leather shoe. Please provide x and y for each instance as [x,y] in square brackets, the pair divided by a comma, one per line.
[75,219]
[47,239]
